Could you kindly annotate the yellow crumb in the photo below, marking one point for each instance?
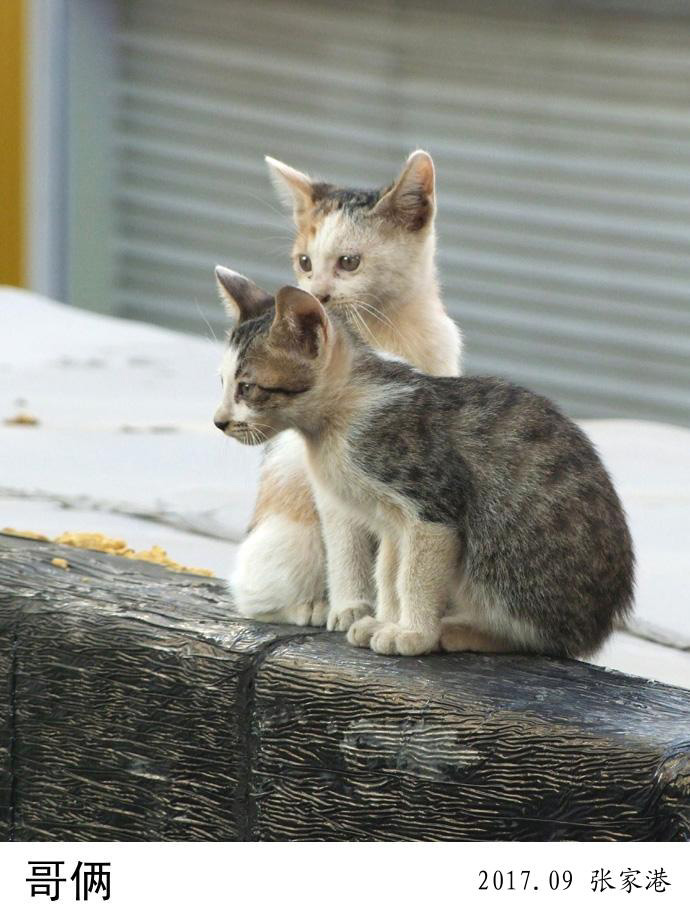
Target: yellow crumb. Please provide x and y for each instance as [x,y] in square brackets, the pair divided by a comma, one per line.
[22,418]
[98,542]
[101,543]
[24,534]
[159,556]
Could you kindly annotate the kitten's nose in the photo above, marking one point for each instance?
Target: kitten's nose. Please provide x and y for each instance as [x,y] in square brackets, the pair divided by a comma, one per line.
[323,298]
[221,425]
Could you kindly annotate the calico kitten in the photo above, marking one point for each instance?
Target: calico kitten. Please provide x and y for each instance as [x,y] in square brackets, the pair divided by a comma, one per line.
[498,526]
[368,256]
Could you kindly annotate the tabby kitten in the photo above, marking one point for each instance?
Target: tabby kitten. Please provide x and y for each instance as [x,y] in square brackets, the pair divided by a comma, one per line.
[368,256]
[498,526]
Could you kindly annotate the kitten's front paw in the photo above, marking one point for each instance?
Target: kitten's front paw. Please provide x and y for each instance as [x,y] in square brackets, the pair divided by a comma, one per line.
[394,639]
[313,612]
[319,612]
[340,620]
[361,632]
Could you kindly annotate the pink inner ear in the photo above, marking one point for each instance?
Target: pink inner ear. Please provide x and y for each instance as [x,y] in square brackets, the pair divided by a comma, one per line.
[303,315]
[243,298]
[293,187]
[423,172]
[306,326]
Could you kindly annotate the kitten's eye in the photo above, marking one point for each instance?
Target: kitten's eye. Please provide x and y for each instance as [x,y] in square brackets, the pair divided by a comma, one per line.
[305,263]
[349,262]
[243,389]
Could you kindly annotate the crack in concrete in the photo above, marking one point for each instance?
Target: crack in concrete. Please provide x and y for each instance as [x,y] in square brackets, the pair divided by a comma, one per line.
[640,628]
[204,525]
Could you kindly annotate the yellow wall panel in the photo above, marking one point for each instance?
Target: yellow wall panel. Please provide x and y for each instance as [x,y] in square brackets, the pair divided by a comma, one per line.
[12,49]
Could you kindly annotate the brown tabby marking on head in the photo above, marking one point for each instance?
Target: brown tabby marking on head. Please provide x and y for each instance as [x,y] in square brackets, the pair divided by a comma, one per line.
[329,199]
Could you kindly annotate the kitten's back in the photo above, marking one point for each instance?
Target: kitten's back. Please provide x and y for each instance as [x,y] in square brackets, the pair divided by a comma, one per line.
[543,528]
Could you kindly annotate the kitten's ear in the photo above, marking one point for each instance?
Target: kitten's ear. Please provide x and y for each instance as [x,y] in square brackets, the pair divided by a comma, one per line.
[242,298]
[411,200]
[301,322]
[294,188]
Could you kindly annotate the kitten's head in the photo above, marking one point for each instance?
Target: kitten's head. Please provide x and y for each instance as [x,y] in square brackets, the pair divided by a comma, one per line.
[362,249]
[272,366]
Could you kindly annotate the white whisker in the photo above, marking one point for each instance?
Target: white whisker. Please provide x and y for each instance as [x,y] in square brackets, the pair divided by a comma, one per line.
[365,331]
[262,424]
[210,327]
[369,334]
[283,216]
[375,314]
[364,306]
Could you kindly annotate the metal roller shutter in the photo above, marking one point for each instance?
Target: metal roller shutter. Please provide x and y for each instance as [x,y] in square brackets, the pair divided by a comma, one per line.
[562,144]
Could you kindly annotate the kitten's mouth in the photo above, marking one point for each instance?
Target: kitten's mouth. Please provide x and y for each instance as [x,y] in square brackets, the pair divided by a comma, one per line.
[246,434]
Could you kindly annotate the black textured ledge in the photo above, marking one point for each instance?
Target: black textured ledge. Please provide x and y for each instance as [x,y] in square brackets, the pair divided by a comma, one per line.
[135,708]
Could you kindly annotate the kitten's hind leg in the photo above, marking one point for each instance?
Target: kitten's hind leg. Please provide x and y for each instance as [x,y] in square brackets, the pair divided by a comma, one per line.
[387,600]
[457,636]
[280,568]
[280,573]
[429,558]
[313,612]
[478,621]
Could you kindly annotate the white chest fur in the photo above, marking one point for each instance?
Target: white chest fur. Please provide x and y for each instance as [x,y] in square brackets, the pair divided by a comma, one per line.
[337,478]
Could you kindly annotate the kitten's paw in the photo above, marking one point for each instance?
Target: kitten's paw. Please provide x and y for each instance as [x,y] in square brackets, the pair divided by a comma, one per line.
[340,620]
[361,632]
[313,612]
[319,612]
[392,638]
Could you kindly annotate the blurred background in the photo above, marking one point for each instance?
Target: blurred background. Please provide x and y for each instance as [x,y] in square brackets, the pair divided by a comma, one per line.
[135,132]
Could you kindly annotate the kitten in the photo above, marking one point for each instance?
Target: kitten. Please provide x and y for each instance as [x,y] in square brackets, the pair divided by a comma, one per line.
[369,256]
[498,526]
